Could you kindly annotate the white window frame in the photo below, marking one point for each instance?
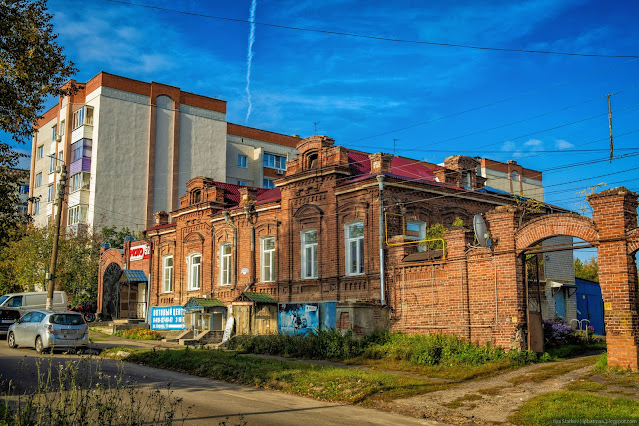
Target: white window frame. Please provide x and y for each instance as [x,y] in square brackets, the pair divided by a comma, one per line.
[225,263]
[80,180]
[40,152]
[77,214]
[51,164]
[54,130]
[267,260]
[83,116]
[309,254]
[242,161]
[167,274]
[50,193]
[274,161]
[354,249]
[61,130]
[38,180]
[270,185]
[36,207]
[194,271]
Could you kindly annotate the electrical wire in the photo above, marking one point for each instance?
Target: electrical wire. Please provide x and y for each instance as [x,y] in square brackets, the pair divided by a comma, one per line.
[371,37]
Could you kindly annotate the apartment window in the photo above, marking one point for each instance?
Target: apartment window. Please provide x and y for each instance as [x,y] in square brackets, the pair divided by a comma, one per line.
[309,254]
[275,161]
[54,130]
[80,181]
[83,116]
[40,152]
[194,262]
[225,264]
[416,230]
[268,183]
[268,259]
[77,214]
[51,164]
[167,274]
[62,126]
[242,161]
[81,149]
[38,180]
[354,248]
[36,207]
[50,193]
[241,182]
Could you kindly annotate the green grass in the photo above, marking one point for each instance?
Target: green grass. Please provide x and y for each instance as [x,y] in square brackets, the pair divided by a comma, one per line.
[543,409]
[320,382]
[139,334]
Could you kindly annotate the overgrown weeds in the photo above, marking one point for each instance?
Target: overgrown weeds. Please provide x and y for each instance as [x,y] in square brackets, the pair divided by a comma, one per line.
[80,392]
[139,334]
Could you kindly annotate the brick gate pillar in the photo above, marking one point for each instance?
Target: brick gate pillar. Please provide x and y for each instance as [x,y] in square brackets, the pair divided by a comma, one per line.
[511,330]
[614,213]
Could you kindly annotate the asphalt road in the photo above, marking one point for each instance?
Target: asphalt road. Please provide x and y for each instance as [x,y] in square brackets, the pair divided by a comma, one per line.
[212,401]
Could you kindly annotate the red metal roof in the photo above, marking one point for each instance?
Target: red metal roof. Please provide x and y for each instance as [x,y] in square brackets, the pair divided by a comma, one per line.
[402,167]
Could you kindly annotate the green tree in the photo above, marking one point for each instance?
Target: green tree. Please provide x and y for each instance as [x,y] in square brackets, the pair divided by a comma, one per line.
[115,238]
[32,65]
[587,271]
[24,263]
[10,180]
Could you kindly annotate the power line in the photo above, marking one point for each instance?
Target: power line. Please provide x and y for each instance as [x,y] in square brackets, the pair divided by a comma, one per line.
[371,37]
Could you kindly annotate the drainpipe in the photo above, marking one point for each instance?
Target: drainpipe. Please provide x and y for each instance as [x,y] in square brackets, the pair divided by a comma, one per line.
[380,180]
[228,222]
[247,212]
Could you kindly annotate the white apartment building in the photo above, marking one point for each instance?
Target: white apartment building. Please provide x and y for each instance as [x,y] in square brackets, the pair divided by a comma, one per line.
[131,146]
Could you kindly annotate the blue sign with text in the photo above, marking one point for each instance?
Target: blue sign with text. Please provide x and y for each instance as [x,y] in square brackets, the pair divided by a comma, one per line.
[167,318]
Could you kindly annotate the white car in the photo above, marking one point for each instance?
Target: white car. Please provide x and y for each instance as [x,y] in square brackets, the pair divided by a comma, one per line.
[44,330]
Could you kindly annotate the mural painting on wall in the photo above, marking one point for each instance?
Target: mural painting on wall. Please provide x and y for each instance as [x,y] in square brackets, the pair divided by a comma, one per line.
[298,319]
[167,318]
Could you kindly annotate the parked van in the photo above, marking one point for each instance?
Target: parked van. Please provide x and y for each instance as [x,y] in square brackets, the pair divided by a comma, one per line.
[34,300]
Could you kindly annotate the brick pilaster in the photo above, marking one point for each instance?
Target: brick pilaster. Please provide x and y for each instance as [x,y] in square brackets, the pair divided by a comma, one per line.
[615,212]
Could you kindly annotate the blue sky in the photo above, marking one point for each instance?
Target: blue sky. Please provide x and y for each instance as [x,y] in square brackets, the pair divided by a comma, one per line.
[363,92]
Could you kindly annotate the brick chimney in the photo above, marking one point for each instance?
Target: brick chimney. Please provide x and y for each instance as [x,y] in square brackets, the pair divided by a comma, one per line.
[380,162]
[248,195]
[161,218]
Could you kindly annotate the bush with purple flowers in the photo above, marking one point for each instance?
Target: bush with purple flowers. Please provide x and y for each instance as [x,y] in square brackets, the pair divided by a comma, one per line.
[557,333]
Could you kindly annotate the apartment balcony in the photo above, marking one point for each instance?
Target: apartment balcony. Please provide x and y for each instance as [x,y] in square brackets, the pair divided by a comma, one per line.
[85,131]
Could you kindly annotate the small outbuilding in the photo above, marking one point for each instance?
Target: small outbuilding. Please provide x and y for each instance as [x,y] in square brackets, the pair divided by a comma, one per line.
[590,305]
[202,314]
[254,313]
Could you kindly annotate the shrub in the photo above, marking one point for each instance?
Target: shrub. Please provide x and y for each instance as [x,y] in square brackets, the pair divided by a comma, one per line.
[139,334]
[557,333]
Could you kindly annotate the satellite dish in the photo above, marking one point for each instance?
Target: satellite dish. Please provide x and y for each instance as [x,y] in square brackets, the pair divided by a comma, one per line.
[481,231]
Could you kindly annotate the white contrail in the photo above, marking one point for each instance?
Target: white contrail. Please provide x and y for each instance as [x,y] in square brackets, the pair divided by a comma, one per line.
[249,57]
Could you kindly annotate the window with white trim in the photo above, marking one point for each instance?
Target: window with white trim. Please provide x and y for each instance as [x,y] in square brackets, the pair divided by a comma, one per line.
[38,180]
[36,207]
[242,161]
[309,254]
[50,193]
[51,164]
[62,126]
[83,116]
[268,259]
[77,214]
[194,262]
[167,274]
[80,181]
[275,161]
[354,237]
[268,183]
[225,264]
[40,151]
[416,230]
[54,130]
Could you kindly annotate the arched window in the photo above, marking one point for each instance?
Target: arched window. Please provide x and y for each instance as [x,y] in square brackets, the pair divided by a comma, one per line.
[312,160]
[197,196]
[167,274]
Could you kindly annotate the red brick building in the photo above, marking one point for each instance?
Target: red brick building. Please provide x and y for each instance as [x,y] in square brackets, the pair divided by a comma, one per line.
[334,243]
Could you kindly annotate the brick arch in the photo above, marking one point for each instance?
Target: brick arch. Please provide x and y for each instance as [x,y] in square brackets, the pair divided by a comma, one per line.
[633,241]
[112,256]
[556,224]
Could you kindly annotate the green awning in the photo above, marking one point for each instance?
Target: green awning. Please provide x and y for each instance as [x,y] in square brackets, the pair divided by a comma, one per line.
[249,296]
[203,302]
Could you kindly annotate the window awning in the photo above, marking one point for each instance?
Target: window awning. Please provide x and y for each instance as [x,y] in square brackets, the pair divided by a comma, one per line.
[249,296]
[132,276]
[195,303]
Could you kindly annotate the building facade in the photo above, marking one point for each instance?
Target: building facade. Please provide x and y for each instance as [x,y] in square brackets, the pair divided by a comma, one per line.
[130,147]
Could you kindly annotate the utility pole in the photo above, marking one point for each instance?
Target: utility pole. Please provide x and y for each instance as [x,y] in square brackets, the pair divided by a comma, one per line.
[56,236]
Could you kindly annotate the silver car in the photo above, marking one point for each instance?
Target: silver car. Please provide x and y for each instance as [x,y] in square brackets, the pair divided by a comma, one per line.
[45,330]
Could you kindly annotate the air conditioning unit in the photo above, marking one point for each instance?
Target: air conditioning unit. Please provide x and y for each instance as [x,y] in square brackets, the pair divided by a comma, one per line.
[280,172]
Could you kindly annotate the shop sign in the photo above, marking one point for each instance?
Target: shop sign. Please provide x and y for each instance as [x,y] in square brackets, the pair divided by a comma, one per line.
[167,318]
[139,252]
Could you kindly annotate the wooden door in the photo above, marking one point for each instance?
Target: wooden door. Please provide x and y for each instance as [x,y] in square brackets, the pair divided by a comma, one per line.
[242,314]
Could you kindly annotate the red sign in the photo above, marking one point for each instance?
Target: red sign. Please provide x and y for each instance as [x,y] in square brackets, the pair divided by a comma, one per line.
[139,252]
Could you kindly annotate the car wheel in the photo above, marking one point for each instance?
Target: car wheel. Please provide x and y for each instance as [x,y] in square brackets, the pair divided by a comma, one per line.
[11,341]
[39,347]
[89,317]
